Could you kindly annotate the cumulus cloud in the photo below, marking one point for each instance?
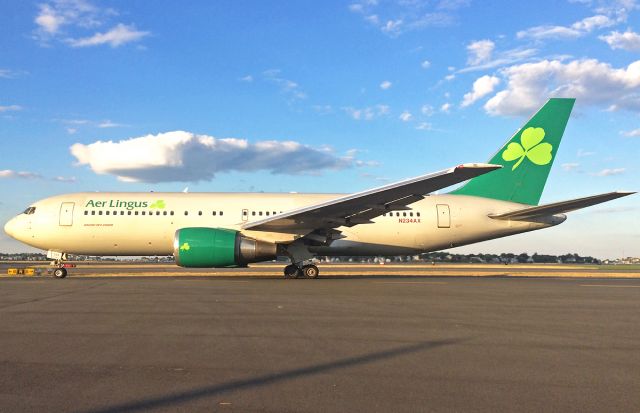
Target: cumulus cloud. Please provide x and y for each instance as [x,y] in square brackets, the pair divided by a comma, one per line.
[481,88]
[368,113]
[424,126]
[628,40]
[69,180]
[498,59]
[480,51]
[446,107]
[425,64]
[117,36]
[610,172]
[591,81]
[9,173]
[74,22]
[427,110]
[287,87]
[406,116]
[385,85]
[180,156]
[635,133]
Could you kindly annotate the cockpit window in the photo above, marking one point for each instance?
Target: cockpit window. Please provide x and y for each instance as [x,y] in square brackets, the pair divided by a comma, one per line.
[30,210]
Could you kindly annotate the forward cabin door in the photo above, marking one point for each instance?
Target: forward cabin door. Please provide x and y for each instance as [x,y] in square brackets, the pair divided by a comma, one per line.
[444,218]
[245,215]
[66,214]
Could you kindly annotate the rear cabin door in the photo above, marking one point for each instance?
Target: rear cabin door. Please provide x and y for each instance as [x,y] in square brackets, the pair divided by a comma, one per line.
[444,218]
[66,213]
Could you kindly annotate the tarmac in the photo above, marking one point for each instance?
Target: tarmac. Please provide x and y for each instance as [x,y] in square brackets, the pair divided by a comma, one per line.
[349,344]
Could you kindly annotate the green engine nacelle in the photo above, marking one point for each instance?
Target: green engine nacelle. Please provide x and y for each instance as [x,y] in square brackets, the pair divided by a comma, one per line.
[200,247]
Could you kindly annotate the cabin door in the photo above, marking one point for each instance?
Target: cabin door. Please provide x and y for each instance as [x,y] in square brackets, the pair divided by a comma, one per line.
[444,218]
[66,213]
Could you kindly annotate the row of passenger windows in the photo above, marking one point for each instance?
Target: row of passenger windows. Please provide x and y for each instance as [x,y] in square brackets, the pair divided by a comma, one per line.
[171,213]
[404,214]
[258,213]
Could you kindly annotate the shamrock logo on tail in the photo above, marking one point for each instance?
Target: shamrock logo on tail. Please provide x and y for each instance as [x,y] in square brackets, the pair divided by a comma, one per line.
[532,148]
[185,247]
[158,204]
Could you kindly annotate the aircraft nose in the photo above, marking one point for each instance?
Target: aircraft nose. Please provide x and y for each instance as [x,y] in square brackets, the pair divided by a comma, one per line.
[10,228]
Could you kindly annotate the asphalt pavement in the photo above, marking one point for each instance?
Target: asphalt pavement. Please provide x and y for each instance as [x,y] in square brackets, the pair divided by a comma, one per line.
[361,344]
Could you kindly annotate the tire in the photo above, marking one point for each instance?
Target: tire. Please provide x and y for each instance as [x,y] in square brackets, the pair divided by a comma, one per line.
[60,272]
[291,271]
[310,271]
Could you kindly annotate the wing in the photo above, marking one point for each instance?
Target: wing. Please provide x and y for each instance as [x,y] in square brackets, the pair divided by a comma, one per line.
[361,207]
[558,207]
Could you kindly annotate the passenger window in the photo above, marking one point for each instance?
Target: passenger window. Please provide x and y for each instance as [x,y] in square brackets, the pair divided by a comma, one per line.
[99,212]
[410,214]
[121,212]
[171,213]
[267,213]
[128,212]
[253,213]
[260,213]
[199,212]
[86,212]
[417,214]
[158,212]
[274,212]
[106,212]
[136,212]
[93,212]
[186,213]
[220,213]
[214,213]
[164,212]
[144,212]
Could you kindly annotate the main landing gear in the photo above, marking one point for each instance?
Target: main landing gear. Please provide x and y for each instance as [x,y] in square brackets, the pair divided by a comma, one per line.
[294,271]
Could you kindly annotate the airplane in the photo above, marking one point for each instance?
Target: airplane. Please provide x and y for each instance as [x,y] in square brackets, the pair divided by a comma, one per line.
[214,230]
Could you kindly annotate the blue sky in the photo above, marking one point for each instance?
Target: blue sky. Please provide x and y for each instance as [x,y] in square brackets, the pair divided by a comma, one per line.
[318,97]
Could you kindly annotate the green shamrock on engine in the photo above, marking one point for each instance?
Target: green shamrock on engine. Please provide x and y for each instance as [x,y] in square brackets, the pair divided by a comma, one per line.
[532,148]
[185,247]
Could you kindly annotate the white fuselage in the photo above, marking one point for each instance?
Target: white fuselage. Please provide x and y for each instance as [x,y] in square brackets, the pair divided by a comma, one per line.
[145,223]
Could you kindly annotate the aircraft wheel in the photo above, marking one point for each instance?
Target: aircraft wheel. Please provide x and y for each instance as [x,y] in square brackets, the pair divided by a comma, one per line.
[291,271]
[60,272]
[310,271]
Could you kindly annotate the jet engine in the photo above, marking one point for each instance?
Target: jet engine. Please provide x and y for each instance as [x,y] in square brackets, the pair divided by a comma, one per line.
[200,247]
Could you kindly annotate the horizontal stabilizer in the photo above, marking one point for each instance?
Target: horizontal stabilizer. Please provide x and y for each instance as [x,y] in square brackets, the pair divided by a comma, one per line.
[558,207]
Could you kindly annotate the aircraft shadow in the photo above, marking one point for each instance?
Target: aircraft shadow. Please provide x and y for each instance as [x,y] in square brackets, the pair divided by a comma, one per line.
[208,391]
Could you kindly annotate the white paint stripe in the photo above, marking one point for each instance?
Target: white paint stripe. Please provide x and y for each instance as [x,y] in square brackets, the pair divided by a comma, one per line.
[609,286]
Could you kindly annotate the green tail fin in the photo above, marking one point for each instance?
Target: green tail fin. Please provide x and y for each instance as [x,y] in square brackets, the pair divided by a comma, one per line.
[527,158]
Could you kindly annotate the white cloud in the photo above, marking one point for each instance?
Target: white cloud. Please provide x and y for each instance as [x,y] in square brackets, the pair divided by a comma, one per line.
[397,17]
[385,85]
[287,87]
[247,78]
[610,172]
[481,88]
[480,51]
[119,35]
[427,110]
[368,113]
[74,22]
[446,108]
[180,156]
[424,126]
[109,124]
[570,166]
[8,173]
[577,29]
[72,131]
[405,116]
[635,133]
[590,81]
[628,40]
[449,77]
[70,179]
[425,64]
[501,59]
[10,108]
[583,154]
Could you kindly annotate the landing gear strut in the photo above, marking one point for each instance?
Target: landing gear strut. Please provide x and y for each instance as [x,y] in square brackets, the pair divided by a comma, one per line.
[294,271]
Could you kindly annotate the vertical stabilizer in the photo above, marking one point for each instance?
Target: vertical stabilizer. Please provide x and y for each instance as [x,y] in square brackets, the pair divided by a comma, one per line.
[527,158]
